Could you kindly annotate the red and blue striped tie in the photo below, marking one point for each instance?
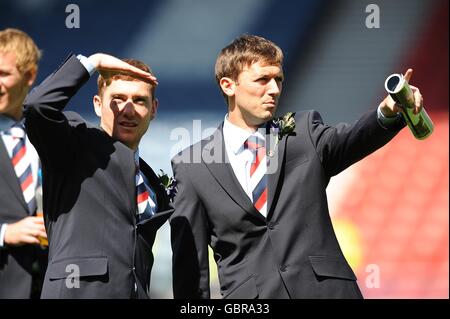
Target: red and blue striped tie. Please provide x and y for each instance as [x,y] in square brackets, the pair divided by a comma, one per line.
[144,199]
[258,168]
[22,167]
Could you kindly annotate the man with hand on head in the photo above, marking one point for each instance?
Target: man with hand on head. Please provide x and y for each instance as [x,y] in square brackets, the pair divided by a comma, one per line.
[103,203]
[258,196]
[22,259]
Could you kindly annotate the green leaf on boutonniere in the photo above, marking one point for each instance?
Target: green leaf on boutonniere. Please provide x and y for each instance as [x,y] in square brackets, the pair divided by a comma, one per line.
[284,125]
[279,127]
[169,184]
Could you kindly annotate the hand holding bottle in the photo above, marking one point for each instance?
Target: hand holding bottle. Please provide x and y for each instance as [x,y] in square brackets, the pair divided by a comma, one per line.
[409,101]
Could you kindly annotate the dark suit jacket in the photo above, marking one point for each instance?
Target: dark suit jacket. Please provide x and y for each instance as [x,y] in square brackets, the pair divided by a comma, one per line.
[18,264]
[293,253]
[89,196]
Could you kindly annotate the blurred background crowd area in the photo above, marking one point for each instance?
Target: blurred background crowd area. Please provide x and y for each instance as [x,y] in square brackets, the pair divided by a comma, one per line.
[391,210]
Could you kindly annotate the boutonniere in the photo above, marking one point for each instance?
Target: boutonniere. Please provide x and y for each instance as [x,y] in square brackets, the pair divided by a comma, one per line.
[169,184]
[283,125]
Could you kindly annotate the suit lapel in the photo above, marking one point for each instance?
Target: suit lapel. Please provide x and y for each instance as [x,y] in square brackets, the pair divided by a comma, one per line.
[274,167]
[222,171]
[9,175]
[125,156]
[127,167]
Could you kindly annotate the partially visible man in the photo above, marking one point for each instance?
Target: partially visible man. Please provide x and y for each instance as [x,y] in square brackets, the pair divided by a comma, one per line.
[258,197]
[22,259]
[103,204]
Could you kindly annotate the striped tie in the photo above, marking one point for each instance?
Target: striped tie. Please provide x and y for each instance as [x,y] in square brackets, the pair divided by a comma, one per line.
[22,167]
[258,168]
[145,201]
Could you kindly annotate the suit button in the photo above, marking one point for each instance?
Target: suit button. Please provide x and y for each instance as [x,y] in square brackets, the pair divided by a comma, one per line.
[283,268]
[271,226]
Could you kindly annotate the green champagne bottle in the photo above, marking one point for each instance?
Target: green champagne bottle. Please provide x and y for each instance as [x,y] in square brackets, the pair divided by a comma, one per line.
[420,124]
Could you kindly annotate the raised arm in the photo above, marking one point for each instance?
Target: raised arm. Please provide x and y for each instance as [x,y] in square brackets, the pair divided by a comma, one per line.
[47,127]
[58,88]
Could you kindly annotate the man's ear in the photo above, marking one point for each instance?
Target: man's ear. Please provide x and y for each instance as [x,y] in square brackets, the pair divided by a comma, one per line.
[30,76]
[97,105]
[154,108]
[228,86]
[155,105]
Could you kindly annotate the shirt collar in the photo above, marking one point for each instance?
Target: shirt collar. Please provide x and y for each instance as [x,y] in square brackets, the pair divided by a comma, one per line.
[234,136]
[6,122]
[11,127]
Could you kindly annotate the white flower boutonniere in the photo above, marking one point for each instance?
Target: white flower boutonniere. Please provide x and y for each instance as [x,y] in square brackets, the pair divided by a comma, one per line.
[169,184]
[283,125]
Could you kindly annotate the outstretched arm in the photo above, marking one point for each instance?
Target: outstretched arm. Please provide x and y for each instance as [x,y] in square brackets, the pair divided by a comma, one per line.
[341,145]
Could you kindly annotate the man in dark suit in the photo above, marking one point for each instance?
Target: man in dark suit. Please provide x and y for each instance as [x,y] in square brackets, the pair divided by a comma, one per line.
[255,189]
[22,259]
[103,204]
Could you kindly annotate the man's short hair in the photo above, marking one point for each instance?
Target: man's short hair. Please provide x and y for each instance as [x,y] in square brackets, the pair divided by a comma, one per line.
[244,51]
[102,82]
[20,43]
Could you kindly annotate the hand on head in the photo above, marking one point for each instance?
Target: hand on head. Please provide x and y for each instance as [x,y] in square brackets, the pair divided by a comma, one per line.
[108,65]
